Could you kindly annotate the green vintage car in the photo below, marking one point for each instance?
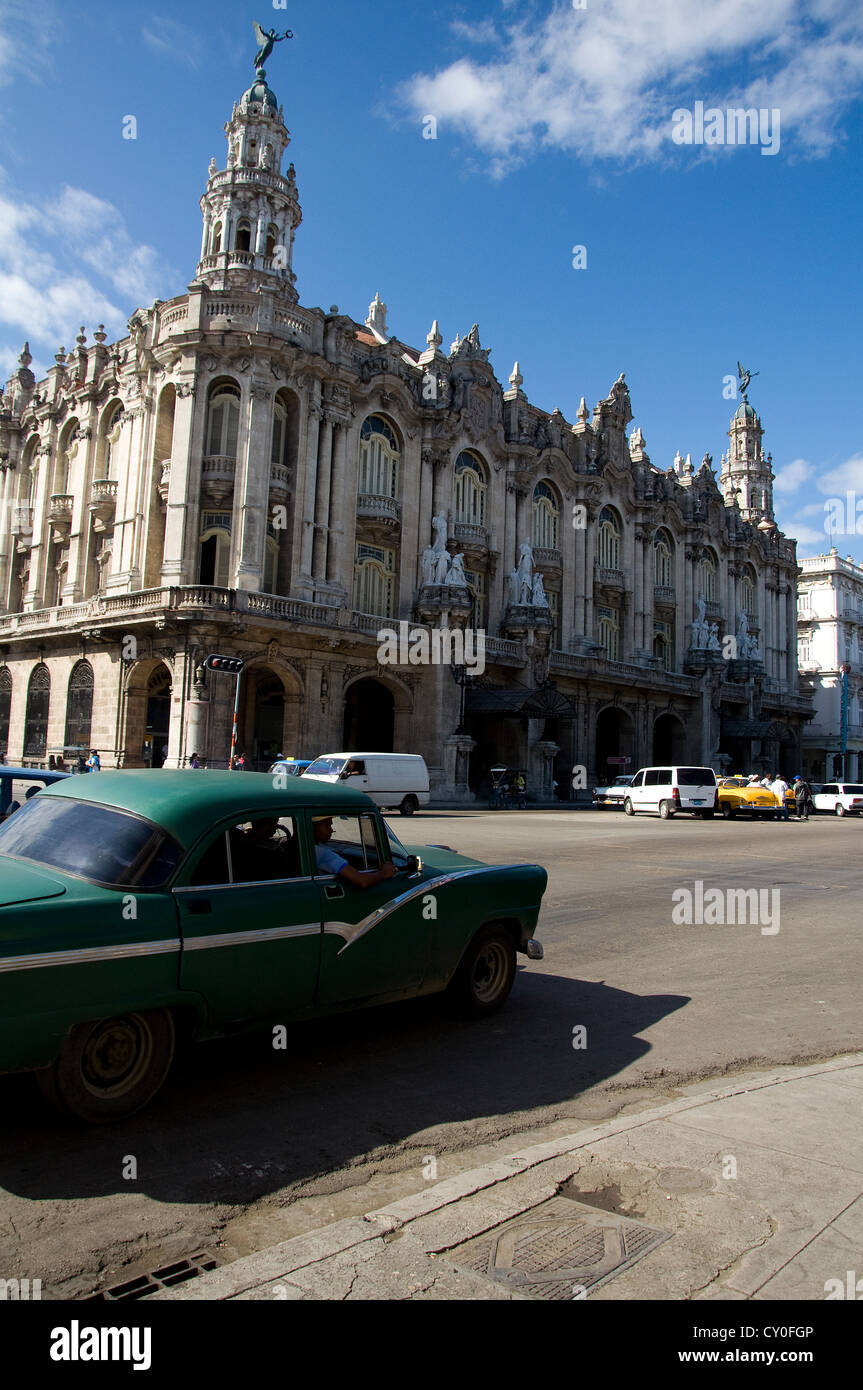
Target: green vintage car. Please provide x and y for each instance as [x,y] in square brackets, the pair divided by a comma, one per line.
[136,907]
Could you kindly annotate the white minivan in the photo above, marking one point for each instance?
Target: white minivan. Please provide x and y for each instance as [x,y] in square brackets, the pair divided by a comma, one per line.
[392,780]
[667,790]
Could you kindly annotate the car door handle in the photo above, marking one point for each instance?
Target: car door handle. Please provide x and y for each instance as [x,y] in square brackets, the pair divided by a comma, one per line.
[199,906]
[334,890]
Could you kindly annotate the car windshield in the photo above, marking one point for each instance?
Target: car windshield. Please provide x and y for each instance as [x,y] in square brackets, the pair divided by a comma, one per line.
[92,842]
[397,850]
[325,767]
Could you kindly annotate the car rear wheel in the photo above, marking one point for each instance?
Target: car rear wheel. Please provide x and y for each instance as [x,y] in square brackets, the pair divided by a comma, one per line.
[727,811]
[111,1067]
[628,807]
[485,976]
[840,809]
[409,805]
[665,812]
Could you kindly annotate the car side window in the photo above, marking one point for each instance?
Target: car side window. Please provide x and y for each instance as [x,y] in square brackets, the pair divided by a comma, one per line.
[651,777]
[258,850]
[354,839]
[212,867]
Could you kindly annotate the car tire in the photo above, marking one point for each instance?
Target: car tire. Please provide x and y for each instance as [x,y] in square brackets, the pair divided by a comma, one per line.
[408,806]
[727,811]
[483,981]
[708,815]
[665,811]
[110,1068]
[628,807]
[840,809]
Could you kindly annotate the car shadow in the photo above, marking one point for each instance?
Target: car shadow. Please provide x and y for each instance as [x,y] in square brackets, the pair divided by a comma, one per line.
[238,1118]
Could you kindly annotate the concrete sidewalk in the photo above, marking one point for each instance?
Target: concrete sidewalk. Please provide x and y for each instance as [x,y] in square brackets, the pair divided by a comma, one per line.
[752,1189]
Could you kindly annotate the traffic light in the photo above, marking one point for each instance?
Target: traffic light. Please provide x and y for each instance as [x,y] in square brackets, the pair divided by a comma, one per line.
[232,664]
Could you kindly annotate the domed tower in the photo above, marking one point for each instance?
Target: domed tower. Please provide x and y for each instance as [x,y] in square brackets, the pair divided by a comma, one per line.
[745,471]
[250,208]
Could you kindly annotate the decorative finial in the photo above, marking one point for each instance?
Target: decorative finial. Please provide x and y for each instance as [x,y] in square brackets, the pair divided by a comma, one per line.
[25,359]
[376,319]
[266,38]
[81,339]
[100,335]
[434,338]
[515,377]
[60,357]
[582,412]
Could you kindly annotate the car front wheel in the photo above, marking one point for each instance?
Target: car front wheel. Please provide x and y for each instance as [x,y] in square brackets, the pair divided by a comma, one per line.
[840,809]
[628,807]
[111,1067]
[409,805]
[665,810]
[485,976]
[727,811]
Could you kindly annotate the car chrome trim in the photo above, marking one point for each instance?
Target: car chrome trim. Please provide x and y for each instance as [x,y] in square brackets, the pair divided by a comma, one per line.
[352,931]
[249,938]
[251,883]
[88,954]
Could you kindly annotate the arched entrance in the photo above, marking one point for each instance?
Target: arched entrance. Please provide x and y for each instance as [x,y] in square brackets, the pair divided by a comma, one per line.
[369,723]
[615,738]
[669,740]
[147,715]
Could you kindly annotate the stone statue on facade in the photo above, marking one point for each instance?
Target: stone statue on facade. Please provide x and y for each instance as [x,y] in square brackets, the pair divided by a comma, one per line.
[429,564]
[213,168]
[513,587]
[266,160]
[442,563]
[745,378]
[700,630]
[456,578]
[538,597]
[713,643]
[266,40]
[439,526]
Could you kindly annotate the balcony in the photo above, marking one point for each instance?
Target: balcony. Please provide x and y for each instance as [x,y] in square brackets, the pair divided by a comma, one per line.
[547,558]
[280,484]
[471,539]
[60,514]
[217,476]
[613,580]
[103,501]
[712,608]
[381,509]
[664,595]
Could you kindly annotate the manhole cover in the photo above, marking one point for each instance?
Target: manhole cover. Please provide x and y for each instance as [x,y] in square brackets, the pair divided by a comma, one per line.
[559,1249]
[157,1279]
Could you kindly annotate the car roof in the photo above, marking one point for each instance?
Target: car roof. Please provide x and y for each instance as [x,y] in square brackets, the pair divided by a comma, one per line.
[187,803]
[32,774]
[366,755]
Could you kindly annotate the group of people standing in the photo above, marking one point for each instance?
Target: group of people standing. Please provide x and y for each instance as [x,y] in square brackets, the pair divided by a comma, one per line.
[508,790]
[799,792]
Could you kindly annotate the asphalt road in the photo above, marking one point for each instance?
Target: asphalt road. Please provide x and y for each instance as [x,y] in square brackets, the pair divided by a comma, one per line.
[246,1146]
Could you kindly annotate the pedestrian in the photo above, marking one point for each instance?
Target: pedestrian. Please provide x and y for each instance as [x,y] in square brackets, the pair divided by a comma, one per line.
[780,789]
[802,798]
[194,761]
[504,792]
[94,762]
[521,788]
[241,762]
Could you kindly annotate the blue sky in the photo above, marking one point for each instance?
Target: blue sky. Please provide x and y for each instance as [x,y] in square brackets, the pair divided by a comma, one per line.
[553,129]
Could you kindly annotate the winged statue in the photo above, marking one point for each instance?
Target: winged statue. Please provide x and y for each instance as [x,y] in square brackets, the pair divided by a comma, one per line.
[267,39]
[745,378]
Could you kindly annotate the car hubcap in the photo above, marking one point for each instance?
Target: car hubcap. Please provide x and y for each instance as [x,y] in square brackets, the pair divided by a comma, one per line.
[489,972]
[117,1054]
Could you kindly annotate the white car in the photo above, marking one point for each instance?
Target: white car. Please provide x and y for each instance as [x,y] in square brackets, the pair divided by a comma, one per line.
[667,790]
[842,798]
[612,795]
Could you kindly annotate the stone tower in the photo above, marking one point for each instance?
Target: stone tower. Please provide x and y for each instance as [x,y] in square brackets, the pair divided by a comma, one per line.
[746,471]
[250,209]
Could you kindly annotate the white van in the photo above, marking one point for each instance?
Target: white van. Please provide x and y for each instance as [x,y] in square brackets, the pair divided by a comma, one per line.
[390,779]
[667,790]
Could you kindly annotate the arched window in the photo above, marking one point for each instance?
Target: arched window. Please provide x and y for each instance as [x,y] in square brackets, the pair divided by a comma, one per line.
[608,631]
[216,243]
[280,435]
[374,581]
[215,549]
[750,592]
[708,576]
[243,239]
[546,517]
[223,421]
[5,707]
[609,539]
[67,448]
[663,560]
[36,718]
[79,706]
[477,583]
[109,438]
[379,458]
[272,239]
[470,490]
[663,644]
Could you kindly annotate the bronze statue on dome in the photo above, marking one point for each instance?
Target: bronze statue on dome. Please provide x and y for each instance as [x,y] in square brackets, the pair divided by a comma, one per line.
[267,39]
[745,378]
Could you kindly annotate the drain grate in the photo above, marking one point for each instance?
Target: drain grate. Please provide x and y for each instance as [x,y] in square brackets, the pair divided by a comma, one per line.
[559,1249]
[164,1278]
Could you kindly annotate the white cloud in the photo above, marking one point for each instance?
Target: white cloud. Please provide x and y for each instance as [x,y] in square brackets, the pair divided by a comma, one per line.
[482,33]
[46,250]
[793,475]
[848,477]
[169,38]
[603,82]
[26,28]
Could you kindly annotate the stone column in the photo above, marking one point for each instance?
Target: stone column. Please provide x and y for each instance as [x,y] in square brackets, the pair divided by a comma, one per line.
[523,518]
[338,504]
[197,710]
[322,496]
[306,507]
[589,557]
[184,488]
[252,492]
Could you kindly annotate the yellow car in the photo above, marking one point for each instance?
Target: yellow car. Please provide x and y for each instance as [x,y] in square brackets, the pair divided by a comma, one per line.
[737,796]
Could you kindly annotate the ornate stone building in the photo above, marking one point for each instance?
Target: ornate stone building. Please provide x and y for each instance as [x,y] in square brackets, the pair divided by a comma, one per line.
[830,651]
[247,475]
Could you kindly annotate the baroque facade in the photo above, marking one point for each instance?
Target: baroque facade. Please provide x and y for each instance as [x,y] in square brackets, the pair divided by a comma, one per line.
[242,474]
[830,652]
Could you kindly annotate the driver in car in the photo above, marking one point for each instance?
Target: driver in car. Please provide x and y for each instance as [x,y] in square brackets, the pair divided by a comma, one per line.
[333,863]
